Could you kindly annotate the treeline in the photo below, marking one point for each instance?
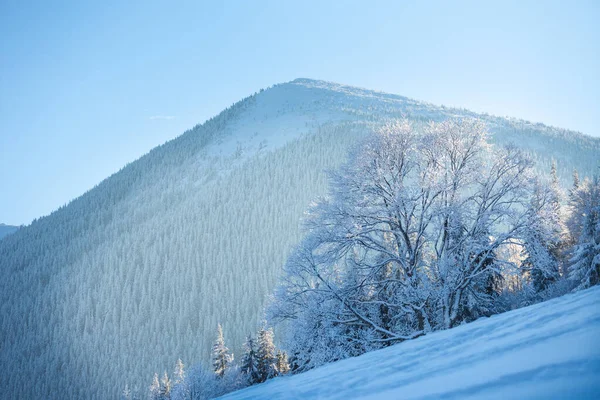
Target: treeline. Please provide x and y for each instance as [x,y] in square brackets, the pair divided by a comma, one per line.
[260,361]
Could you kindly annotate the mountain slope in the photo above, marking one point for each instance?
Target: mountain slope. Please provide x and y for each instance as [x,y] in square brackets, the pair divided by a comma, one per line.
[138,271]
[546,351]
[7,230]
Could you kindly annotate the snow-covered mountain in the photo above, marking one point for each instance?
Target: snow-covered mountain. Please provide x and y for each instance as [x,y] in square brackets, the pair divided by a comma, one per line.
[7,230]
[138,271]
[545,351]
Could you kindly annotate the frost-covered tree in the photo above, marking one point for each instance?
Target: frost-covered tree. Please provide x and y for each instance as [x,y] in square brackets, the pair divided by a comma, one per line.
[544,241]
[155,388]
[313,337]
[221,356]
[249,366]
[179,372]
[202,383]
[266,358]
[165,386]
[585,268]
[407,241]
[574,220]
[283,366]
[556,221]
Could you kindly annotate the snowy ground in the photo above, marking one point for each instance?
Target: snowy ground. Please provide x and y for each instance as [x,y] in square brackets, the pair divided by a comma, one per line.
[549,350]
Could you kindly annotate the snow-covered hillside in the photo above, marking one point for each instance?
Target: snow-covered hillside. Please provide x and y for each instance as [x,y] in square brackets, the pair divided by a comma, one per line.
[546,351]
[138,271]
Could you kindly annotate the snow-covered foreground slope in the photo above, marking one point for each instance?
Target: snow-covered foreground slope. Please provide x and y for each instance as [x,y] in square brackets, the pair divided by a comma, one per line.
[546,351]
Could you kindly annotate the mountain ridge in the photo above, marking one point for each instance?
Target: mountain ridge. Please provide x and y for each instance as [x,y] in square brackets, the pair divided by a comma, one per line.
[485,114]
[553,131]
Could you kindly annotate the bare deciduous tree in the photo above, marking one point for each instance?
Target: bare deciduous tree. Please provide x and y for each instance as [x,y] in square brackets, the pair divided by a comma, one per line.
[407,241]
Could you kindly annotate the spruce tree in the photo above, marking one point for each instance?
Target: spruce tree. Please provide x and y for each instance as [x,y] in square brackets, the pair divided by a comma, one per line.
[283,367]
[574,220]
[179,372]
[249,365]
[585,270]
[221,357]
[155,388]
[556,221]
[267,360]
[543,243]
[165,387]
[575,179]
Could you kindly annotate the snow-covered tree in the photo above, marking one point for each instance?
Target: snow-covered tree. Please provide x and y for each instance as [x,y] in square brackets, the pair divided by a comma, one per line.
[249,365]
[574,220]
[165,386]
[407,241]
[155,388]
[585,268]
[283,366]
[557,220]
[179,372]
[543,242]
[203,384]
[221,356]
[266,359]
[575,179]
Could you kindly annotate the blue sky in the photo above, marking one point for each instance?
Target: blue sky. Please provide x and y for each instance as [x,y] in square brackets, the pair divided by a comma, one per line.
[86,87]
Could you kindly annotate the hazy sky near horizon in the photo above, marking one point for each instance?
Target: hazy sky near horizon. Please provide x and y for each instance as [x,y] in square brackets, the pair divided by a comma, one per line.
[86,87]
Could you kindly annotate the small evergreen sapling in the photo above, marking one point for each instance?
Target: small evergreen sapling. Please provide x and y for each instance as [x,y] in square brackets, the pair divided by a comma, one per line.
[179,372]
[283,367]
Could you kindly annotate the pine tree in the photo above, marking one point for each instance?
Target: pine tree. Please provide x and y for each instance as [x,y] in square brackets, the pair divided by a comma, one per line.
[267,360]
[556,221]
[221,356]
[155,388]
[283,367]
[249,365]
[543,243]
[179,372]
[165,387]
[585,270]
[575,179]
[574,220]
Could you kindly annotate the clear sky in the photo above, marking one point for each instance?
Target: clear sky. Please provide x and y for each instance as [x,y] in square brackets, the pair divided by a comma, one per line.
[88,86]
